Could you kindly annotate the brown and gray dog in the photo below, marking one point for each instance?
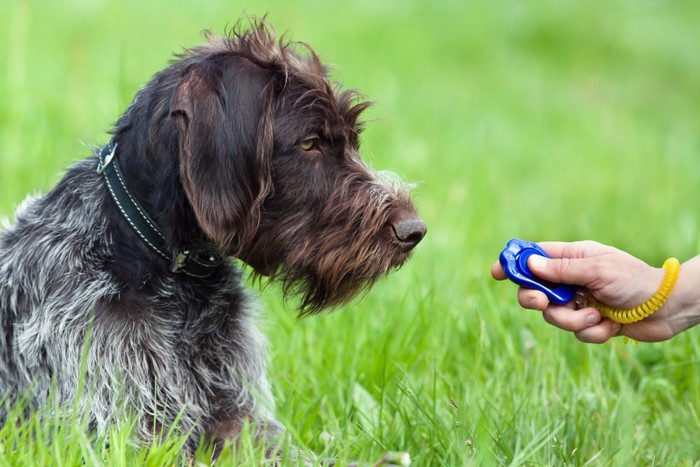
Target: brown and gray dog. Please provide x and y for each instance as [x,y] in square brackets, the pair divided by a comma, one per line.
[119,276]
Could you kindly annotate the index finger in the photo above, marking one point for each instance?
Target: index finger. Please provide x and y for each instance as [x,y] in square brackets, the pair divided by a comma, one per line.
[497,271]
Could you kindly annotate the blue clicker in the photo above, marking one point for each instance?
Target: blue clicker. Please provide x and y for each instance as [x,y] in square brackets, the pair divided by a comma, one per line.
[514,257]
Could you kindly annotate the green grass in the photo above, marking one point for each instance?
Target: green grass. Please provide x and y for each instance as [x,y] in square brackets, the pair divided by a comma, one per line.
[539,120]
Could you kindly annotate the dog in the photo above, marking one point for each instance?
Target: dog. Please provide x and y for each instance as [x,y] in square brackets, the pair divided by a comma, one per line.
[119,288]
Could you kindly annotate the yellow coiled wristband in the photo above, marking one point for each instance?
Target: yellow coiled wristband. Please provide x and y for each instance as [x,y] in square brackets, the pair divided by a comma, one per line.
[646,309]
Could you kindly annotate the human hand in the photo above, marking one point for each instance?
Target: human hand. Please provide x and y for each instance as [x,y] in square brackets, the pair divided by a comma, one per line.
[612,277]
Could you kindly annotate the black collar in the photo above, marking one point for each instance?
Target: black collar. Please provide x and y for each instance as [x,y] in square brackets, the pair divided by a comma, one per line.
[196,264]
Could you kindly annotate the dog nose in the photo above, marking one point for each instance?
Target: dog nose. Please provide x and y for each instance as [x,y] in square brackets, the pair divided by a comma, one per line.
[409,231]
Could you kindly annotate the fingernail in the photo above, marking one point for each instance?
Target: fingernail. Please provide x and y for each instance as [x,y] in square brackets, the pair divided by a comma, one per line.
[616,327]
[537,262]
[592,319]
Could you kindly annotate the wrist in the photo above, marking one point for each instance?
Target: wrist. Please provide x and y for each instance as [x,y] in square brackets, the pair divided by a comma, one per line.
[624,315]
[682,308]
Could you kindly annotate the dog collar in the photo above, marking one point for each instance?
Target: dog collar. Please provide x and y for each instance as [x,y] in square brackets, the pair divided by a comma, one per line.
[196,264]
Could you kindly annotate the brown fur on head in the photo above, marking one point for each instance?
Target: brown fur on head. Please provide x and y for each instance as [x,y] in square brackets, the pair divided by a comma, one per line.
[270,168]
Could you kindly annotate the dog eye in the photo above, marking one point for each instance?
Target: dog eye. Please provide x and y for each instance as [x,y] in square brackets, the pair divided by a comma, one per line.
[309,144]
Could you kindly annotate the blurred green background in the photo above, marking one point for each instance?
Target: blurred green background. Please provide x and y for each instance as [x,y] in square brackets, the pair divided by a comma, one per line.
[548,120]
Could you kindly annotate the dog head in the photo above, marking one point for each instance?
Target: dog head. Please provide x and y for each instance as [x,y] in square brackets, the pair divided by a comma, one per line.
[269,165]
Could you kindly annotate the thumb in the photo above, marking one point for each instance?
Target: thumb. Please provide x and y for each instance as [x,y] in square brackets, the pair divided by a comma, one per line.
[573,271]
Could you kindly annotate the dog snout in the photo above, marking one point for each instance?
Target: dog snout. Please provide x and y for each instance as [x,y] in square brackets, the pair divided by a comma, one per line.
[409,231]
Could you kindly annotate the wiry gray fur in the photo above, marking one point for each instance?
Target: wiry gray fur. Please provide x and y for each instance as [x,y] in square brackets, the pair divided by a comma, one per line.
[53,296]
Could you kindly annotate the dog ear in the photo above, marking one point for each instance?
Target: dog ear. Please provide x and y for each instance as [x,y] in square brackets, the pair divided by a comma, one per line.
[224,117]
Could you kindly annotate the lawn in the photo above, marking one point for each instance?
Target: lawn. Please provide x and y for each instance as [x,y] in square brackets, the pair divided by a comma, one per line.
[545,120]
